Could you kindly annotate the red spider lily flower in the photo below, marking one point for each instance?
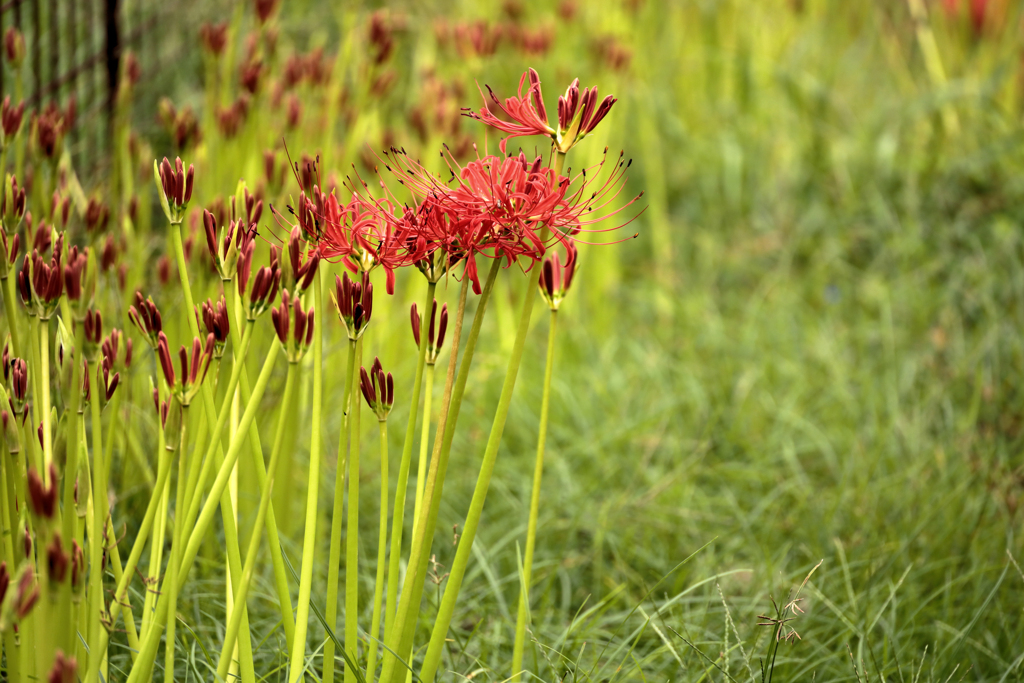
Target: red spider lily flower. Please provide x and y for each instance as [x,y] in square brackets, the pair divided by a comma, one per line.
[146,317]
[578,113]
[362,237]
[290,316]
[354,302]
[433,343]
[556,276]
[378,389]
[175,186]
[529,117]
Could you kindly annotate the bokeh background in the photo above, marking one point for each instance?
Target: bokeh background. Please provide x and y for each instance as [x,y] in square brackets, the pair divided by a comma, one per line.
[811,351]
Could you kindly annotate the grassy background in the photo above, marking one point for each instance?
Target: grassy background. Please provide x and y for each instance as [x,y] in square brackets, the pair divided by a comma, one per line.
[811,352]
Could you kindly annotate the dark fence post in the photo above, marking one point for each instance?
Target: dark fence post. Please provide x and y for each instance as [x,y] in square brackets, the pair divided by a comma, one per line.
[113,53]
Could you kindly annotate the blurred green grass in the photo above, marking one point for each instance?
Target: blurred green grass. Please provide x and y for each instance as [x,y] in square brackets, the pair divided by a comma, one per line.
[811,351]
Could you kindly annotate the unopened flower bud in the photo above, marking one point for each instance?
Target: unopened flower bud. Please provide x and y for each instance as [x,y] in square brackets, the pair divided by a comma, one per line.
[354,302]
[42,498]
[146,317]
[175,186]
[378,389]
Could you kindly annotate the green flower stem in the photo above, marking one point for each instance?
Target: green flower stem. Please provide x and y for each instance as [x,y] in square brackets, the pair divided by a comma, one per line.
[531,527]
[476,506]
[163,476]
[35,375]
[156,553]
[231,633]
[352,528]
[382,542]
[230,530]
[406,618]
[70,519]
[214,437]
[129,618]
[334,558]
[10,646]
[421,466]
[298,653]
[111,538]
[256,451]
[176,535]
[398,517]
[44,353]
[74,415]
[11,314]
[99,507]
[144,665]
[192,490]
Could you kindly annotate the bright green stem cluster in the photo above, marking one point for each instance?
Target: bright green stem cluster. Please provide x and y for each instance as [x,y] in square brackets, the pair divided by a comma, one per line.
[352,528]
[334,561]
[143,667]
[531,527]
[400,640]
[476,506]
[296,666]
[382,547]
[398,518]
[231,634]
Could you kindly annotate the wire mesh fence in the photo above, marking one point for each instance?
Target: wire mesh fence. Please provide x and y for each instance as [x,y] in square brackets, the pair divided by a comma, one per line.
[74,52]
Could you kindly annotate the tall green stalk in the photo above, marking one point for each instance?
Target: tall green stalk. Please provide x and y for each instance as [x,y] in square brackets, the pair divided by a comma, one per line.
[99,509]
[284,599]
[476,506]
[352,527]
[398,518]
[531,527]
[421,466]
[334,557]
[231,633]
[382,542]
[44,353]
[163,476]
[298,654]
[399,645]
[176,535]
[209,406]
[144,665]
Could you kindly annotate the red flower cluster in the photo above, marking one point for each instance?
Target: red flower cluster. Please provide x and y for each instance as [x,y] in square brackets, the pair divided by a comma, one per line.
[502,207]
